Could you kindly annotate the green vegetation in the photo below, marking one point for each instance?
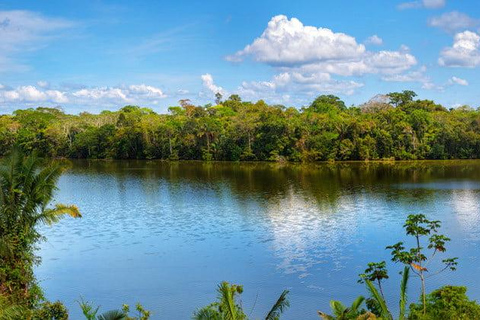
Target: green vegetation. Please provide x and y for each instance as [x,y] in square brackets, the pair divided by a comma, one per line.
[90,312]
[419,226]
[228,308]
[395,126]
[26,191]
[445,303]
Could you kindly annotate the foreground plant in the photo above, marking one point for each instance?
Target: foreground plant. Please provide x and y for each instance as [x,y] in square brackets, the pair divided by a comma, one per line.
[417,258]
[228,308]
[448,302]
[27,185]
[341,312]
[90,312]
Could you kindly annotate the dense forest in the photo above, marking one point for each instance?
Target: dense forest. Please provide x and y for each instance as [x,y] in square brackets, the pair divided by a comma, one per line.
[394,126]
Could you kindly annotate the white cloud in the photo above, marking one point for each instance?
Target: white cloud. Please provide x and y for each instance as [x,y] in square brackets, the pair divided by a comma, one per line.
[209,84]
[288,84]
[288,45]
[102,93]
[22,31]
[434,4]
[464,52]
[412,76]
[43,84]
[428,4]
[375,40]
[145,91]
[95,96]
[134,94]
[453,21]
[459,81]
[289,42]
[31,94]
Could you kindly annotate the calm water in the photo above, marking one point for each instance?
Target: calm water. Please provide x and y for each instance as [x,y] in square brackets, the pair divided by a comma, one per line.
[166,234]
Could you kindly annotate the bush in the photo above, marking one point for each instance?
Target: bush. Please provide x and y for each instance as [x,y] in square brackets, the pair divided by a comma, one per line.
[448,302]
[51,311]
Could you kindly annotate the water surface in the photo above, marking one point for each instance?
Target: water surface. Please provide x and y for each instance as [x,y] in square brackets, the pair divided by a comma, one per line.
[165,234]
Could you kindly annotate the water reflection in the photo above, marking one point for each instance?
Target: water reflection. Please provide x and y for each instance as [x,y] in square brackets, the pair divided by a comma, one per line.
[153,227]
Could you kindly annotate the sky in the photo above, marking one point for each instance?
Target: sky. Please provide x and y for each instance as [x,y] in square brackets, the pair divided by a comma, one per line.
[97,55]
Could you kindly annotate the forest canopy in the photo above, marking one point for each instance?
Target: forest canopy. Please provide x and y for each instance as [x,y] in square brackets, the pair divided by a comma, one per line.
[393,126]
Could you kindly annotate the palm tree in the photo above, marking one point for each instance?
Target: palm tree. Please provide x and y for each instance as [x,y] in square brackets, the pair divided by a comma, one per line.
[341,312]
[227,308]
[27,185]
[278,308]
[380,303]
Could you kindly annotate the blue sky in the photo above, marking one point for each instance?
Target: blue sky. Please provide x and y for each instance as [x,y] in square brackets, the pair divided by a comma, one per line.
[95,55]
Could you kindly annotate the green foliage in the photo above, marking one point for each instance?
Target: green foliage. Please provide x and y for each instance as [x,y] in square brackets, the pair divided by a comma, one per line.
[375,272]
[446,303]
[90,312]
[228,307]
[51,311]
[419,227]
[341,312]
[236,130]
[399,99]
[26,190]
[279,307]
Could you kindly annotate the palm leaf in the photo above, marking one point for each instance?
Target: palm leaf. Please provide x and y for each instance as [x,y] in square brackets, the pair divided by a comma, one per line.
[338,308]
[227,301]
[278,308]
[113,315]
[379,299]
[356,304]
[403,292]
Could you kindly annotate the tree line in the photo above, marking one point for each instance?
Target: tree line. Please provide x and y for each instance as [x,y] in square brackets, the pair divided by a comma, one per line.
[393,126]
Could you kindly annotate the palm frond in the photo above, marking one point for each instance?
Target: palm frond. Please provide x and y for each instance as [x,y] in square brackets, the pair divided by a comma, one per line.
[280,306]
[403,292]
[207,313]
[357,303]
[338,308]
[227,301]
[385,313]
[113,315]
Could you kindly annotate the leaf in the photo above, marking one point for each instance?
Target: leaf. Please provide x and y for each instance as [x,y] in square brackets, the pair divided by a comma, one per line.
[385,313]
[403,292]
[418,267]
[279,307]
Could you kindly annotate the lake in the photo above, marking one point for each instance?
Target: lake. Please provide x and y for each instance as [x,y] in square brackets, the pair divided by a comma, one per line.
[166,234]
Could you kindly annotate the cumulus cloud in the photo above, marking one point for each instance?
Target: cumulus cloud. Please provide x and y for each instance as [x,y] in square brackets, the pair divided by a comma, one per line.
[94,96]
[428,4]
[306,58]
[209,84]
[453,21]
[289,42]
[465,51]
[134,94]
[411,76]
[459,81]
[31,94]
[286,84]
[375,40]
[288,45]
[25,31]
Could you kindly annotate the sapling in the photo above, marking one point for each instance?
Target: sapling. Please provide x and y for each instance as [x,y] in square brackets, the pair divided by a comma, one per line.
[418,258]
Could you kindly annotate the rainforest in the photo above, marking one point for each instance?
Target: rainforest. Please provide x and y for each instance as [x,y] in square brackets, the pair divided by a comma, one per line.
[396,126]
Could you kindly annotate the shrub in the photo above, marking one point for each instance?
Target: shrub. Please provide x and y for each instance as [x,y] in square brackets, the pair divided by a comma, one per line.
[448,302]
